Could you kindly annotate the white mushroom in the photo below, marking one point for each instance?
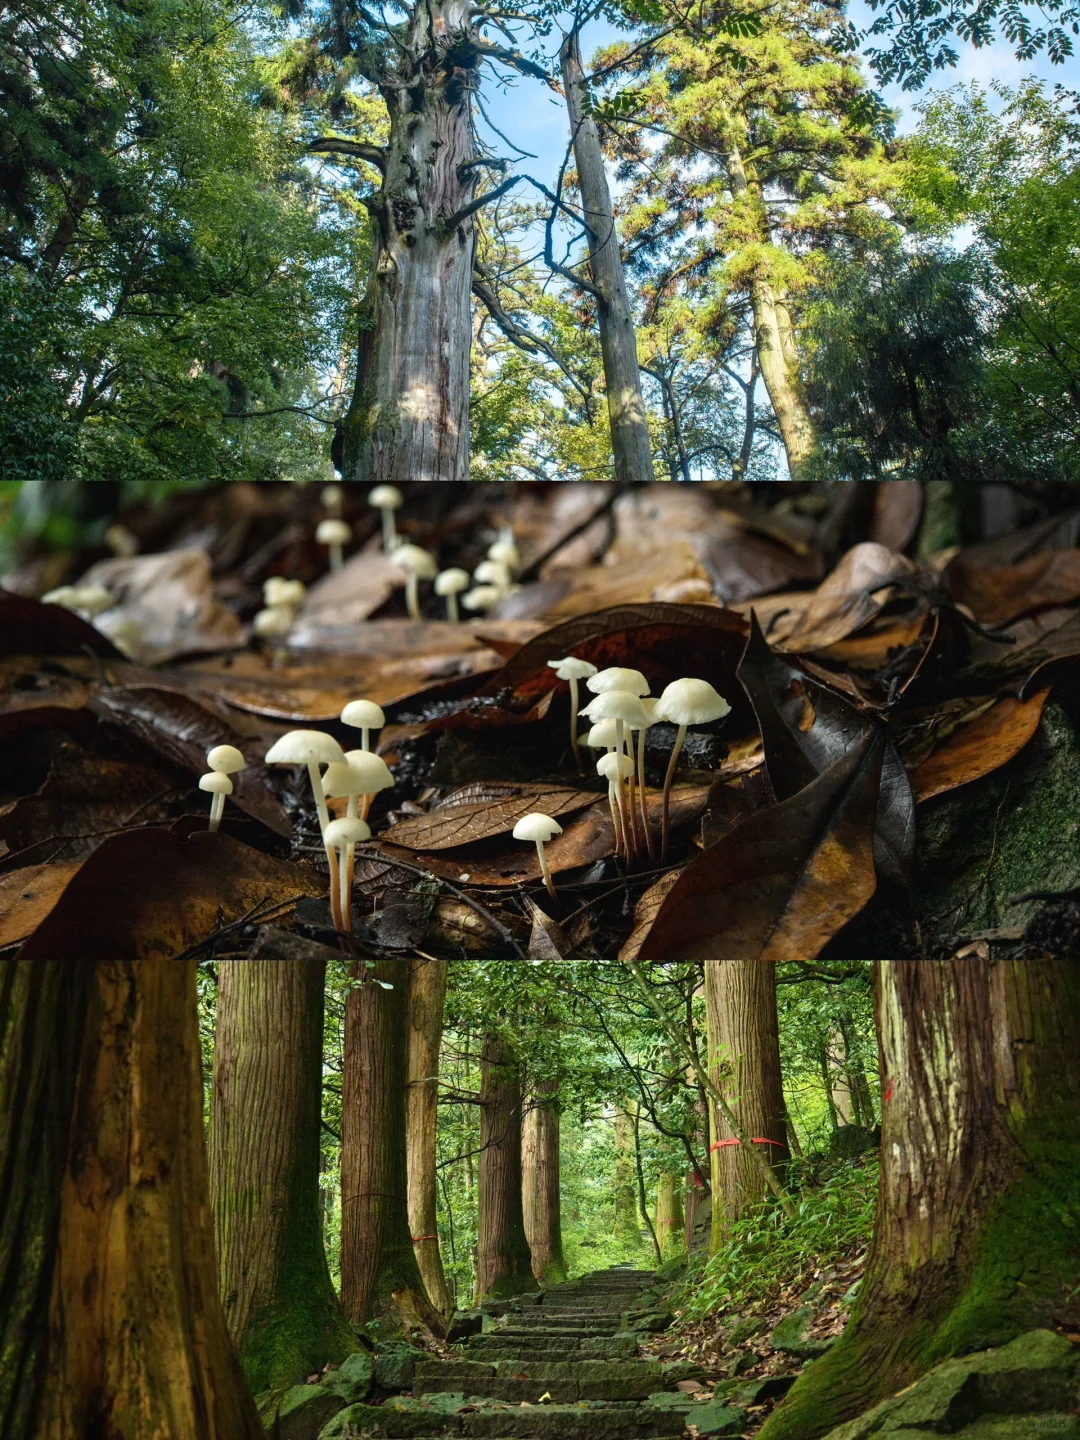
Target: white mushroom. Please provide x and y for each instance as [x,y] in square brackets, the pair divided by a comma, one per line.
[365,716]
[616,767]
[625,709]
[63,595]
[685,702]
[121,541]
[492,572]
[85,600]
[649,706]
[418,565]
[360,776]
[506,553]
[618,678]
[226,759]
[280,593]
[483,597]
[218,785]
[572,669]
[343,836]
[539,828]
[333,499]
[448,585]
[311,748]
[335,534]
[274,623]
[387,499]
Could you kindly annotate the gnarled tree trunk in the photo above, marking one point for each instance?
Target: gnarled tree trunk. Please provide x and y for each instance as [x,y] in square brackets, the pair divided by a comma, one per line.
[380,1278]
[540,1185]
[630,445]
[744,1057]
[503,1261]
[265,1127]
[427,997]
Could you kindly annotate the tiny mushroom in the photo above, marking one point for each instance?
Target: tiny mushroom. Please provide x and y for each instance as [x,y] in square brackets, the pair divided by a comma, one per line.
[126,634]
[311,748]
[343,836]
[506,553]
[626,709]
[483,597]
[572,669]
[387,499]
[493,572]
[88,601]
[333,499]
[685,702]
[360,775]
[418,565]
[226,759]
[649,706]
[121,541]
[218,785]
[274,623]
[615,677]
[280,593]
[448,585]
[539,828]
[616,767]
[335,534]
[365,716]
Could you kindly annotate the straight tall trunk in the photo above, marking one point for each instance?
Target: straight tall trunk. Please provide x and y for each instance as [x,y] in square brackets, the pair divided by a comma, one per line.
[380,1279]
[540,1185]
[408,419]
[669,1215]
[630,445]
[744,1056]
[978,1209]
[503,1263]
[427,998]
[265,1129]
[627,1223]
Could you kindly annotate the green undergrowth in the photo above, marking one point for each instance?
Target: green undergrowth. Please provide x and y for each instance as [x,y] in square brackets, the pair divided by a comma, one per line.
[766,1253]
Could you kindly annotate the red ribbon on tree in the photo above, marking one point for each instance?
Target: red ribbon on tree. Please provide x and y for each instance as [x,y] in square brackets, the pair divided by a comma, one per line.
[417,1238]
[757,1140]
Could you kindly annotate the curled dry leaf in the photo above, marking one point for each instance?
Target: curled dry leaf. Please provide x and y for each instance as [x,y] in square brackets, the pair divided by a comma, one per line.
[1000,594]
[453,824]
[630,582]
[784,882]
[645,913]
[981,745]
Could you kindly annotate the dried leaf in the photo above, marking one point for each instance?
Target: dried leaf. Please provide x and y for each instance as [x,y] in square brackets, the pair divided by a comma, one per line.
[982,745]
[645,913]
[897,511]
[782,883]
[997,596]
[29,628]
[27,896]
[635,581]
[345,597]
[454,824]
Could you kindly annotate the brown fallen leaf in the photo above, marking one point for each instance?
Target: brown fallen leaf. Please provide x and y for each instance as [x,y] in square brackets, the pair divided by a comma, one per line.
[897,511]
[456,822]
[29,628]
[980,746]
[635,581]
[645,912]
[27,896]
[1000,594]
[345,597]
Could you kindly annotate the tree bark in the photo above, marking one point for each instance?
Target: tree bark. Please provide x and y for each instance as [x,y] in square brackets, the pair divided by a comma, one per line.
[744,1055]
[669,1215]
[380,1279]
[265,1128]
[977,1208]
[427,998]
[627,1223]
[408,419]
[540,1186]
[630,445]
[503,1262]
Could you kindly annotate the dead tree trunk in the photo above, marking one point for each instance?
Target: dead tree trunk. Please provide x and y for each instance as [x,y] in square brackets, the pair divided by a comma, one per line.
[265,1127]
[980,1062]
[540,1186]
[380,1279]
[618,339]
[744,1056]
[427,997]
[503,1264]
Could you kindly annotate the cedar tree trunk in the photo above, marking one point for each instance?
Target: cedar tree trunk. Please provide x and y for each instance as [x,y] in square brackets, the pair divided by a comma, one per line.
[265,1128]
[427,997]
[503,1260]
[380,1279]
[540,1186]
[669,1215]
[618,339]
[627,1221]
[975,1236]
[744,1053]
[409,415]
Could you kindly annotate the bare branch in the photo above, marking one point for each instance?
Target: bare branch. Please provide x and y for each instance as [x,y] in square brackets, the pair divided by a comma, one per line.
[354,149]
[460,216]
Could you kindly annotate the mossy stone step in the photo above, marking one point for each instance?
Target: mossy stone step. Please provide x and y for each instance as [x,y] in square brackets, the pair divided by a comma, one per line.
[527,1379]
[496,1347]
[416,1421]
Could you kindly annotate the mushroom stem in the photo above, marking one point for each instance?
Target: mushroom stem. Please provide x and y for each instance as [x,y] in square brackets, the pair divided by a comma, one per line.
[412,596]
[389,529]
[217,809]
[451,609]
[336,560]
[573,721]
[667,791]
[365,732]
[346,884]
[324,821]
[641,794]
[620,796]
[548,882]
[344,866]
[632,795]
[616,823]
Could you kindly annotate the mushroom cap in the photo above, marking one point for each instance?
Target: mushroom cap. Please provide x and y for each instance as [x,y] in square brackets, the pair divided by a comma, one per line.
[483,597]
[359,773]
[346,832]
[63,595]
[226,759]
[616,678]
[648,704]
[536,827]
[216,783]
[417,561]
[333,532]
[363,715]
[571,668]
[506,553]
[602,735]
[451,582]
[273,623]
[616,705]
[385,497]
[332,497]
[279,592]
[305,747]
[612,765]
[121,541]
[691,702]
[93,599]
[492,572]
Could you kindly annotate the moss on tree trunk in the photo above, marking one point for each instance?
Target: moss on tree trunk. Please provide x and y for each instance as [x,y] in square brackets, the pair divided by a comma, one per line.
[540,1185]
[504,1263]
[427,998]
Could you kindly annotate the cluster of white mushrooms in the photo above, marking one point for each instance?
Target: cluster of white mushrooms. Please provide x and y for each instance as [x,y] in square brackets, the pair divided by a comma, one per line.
[282,598]
[90,601]
[492,580]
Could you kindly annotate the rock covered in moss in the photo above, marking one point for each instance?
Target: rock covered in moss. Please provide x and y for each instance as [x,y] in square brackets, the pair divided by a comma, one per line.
[792,1336]
[302,1412]
[353,1379]
[395,1365]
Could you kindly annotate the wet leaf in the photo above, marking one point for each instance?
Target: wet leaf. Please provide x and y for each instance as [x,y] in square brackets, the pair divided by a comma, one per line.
[782,883]
[980,746]
[459,823]
[29,628]
[27,896]
[897,511]
[742,566]
[1001,594]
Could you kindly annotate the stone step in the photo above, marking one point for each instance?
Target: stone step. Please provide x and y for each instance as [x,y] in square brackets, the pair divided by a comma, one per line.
[567,1332]
[413,1421]
[615,1347]
[563,1320]
[524,1378]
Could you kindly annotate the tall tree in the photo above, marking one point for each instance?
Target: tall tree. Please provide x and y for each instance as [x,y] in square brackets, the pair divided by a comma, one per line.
[540,1176]
[503,1263]
[265,1129]
[669,1214]
[380,1279]
[427,999]
[627,1220]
